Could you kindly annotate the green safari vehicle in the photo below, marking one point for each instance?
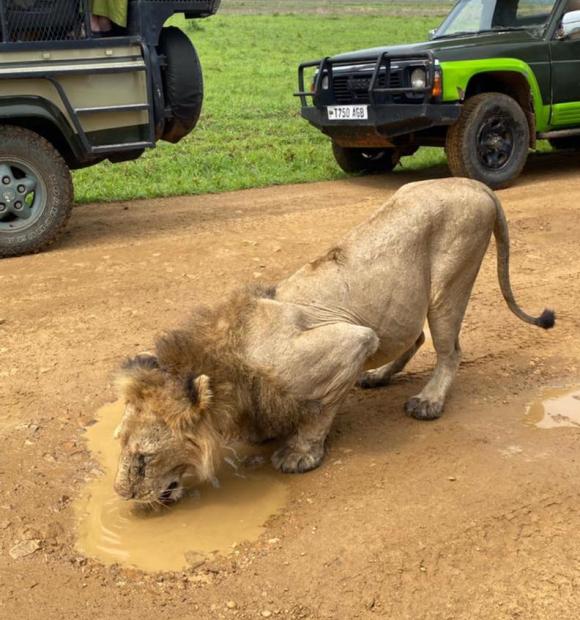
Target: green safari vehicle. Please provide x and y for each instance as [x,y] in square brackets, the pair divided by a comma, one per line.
[494,78]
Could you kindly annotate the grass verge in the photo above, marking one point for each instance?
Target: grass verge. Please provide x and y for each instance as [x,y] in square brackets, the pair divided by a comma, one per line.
[251,133]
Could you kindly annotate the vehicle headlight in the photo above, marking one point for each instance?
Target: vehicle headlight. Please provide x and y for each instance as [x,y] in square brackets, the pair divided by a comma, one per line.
[419,78]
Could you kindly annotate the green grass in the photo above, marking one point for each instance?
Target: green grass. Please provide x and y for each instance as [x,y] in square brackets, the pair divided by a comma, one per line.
[390,7]
[251,133]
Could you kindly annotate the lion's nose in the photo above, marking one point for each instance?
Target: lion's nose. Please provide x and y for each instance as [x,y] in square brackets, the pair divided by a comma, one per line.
[123,491]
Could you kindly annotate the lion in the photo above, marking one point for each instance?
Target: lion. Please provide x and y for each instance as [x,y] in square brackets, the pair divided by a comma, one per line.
[278,362]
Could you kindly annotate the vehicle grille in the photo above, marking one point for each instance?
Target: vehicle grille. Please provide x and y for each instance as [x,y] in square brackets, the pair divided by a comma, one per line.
[355,88]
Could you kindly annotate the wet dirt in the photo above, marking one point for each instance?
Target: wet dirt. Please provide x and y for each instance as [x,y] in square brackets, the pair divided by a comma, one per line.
[470,517]
[209,519]
[556,407]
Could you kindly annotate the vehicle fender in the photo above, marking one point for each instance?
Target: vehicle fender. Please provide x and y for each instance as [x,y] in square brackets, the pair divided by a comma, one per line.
[46,119]
[457,75]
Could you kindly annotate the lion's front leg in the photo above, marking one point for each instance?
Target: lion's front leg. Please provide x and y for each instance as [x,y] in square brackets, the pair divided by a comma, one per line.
[304,450]
[333,356]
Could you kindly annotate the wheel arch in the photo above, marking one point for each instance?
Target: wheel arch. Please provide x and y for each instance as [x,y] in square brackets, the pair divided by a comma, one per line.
[45,119]
[510,76]
[509,83]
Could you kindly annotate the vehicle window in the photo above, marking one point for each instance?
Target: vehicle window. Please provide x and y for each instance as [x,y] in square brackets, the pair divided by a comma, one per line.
[42,20]
[472,16]
[533,12]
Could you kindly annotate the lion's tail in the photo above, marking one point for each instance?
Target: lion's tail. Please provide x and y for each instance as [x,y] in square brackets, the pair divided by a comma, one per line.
[547,319]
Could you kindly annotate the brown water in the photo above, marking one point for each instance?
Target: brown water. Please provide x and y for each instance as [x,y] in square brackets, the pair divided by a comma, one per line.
[556,408]
[210,519]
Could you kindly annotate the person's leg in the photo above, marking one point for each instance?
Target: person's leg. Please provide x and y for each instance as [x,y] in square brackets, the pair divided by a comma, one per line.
[101,24]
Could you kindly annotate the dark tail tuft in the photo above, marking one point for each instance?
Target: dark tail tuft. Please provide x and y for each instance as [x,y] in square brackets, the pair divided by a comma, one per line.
[547,319]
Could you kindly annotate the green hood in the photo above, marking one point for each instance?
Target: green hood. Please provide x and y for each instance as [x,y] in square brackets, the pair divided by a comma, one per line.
[513,44]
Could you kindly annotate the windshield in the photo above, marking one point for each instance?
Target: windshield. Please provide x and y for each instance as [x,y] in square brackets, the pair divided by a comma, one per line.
[472,16]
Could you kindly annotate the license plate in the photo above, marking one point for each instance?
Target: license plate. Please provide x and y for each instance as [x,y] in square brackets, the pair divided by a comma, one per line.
[348,112]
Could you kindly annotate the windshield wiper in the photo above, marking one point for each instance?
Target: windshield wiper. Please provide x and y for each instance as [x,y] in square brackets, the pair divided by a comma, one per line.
[462,33]
[506,28]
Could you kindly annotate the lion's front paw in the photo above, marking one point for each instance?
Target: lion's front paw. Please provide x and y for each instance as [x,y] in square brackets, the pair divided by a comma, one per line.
[292,461]
[423,409]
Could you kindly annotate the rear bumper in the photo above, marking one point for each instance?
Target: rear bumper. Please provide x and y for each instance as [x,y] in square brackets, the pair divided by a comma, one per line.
[385,122]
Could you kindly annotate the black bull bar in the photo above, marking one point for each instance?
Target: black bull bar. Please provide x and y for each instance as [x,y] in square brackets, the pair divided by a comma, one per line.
[388,118]
[325,66]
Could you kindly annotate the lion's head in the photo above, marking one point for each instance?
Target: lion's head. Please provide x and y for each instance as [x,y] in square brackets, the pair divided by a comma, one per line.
[165,431]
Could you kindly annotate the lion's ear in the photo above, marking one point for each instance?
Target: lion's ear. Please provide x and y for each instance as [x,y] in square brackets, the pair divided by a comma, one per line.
[142,360]
[198,391]
[199,395]
[138,376]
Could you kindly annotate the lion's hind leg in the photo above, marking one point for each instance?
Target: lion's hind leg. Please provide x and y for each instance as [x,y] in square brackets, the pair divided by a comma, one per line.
[445,325]
[380,377]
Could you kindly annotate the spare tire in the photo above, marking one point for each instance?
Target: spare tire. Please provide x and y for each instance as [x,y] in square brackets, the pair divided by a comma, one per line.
[182,83]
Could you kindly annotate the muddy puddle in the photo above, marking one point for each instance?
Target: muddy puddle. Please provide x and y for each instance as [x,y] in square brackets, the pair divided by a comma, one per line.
[208,520]
[555,408]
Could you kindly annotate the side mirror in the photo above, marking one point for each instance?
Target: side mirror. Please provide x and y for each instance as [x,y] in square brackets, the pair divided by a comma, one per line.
[431,34]
[570,25]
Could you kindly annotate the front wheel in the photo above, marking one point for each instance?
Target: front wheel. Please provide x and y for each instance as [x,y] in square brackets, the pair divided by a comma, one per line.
[365,161]
[36,192]
[490,141]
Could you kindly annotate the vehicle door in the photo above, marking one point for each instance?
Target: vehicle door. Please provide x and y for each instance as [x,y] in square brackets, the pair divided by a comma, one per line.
[565,55]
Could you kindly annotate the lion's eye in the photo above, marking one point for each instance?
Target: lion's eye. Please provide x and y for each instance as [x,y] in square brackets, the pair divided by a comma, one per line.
[142,460]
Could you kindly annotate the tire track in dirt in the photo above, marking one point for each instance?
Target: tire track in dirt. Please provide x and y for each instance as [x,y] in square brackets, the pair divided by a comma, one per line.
[380,530]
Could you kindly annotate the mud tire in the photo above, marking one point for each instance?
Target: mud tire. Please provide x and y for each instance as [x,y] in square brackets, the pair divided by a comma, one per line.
[468,150]
[365,161]
[50,168]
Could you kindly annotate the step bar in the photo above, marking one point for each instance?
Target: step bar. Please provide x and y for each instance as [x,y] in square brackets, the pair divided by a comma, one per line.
[558,133]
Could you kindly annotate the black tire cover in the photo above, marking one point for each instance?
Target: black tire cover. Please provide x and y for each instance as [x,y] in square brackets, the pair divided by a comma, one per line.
[183,83]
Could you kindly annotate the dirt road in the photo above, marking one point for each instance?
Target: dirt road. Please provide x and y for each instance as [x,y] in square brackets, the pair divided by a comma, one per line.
[472,516]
